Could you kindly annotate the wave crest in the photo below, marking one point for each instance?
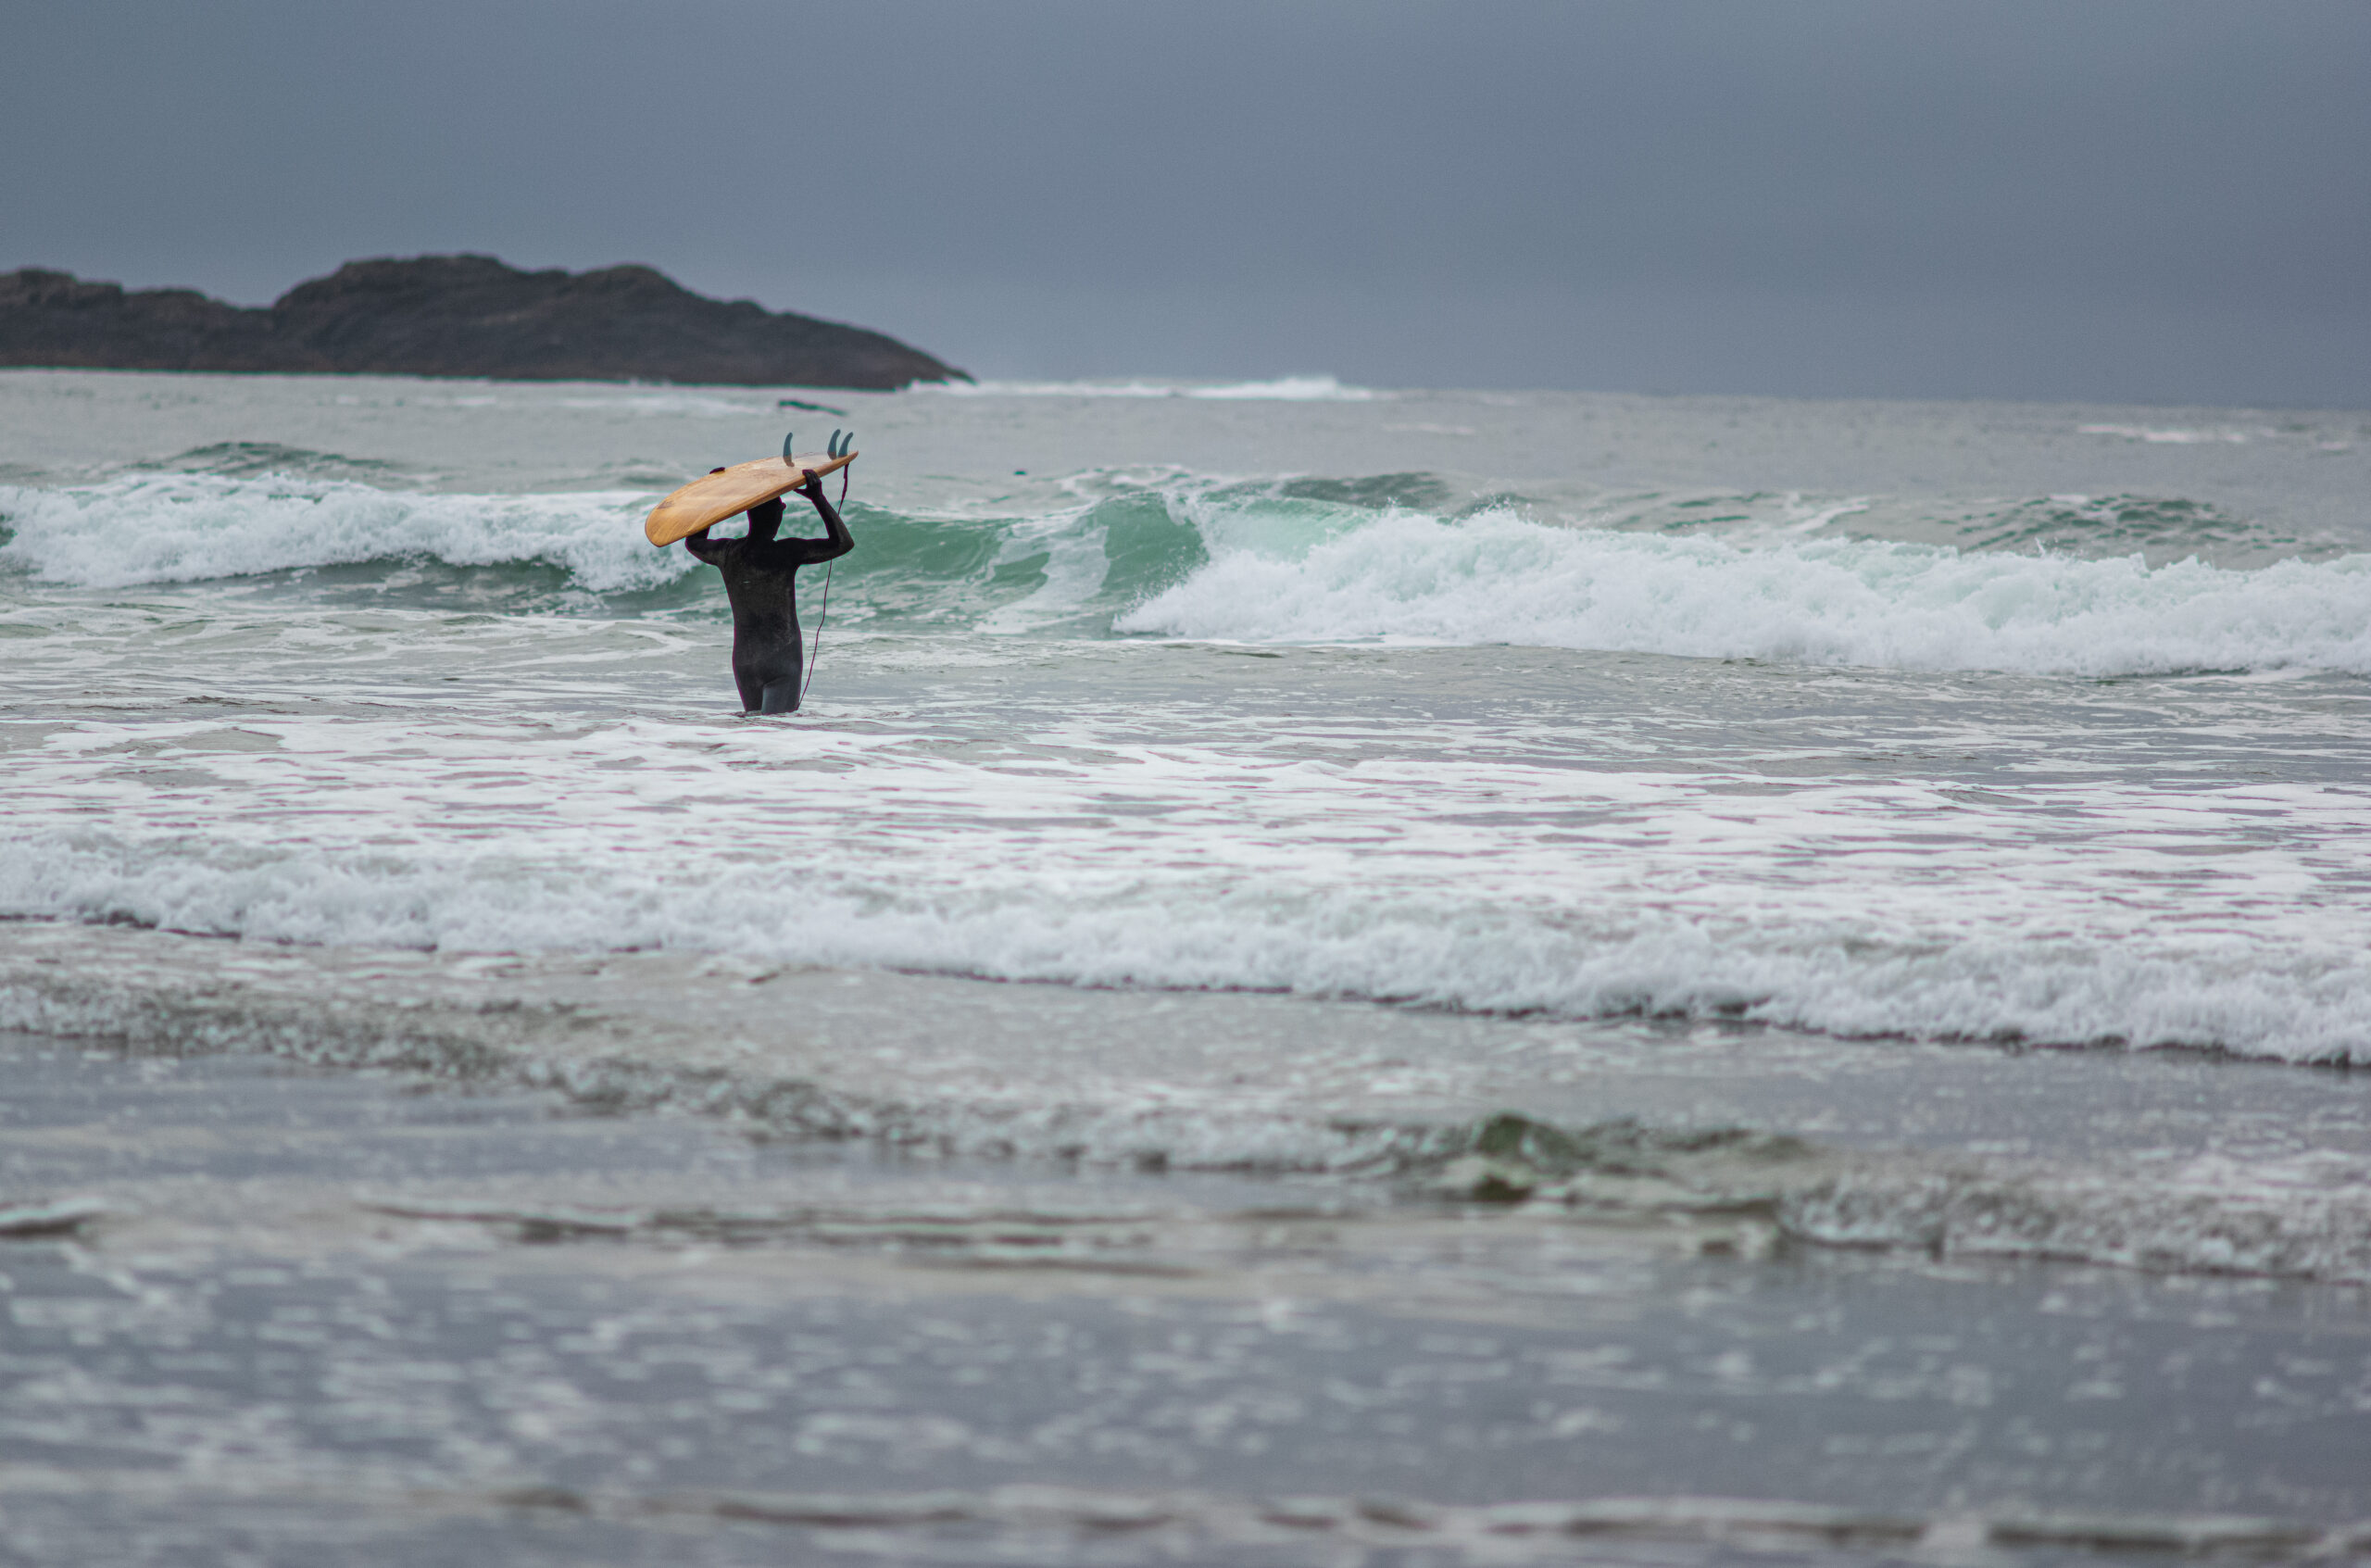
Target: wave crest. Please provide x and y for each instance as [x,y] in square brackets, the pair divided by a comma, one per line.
[1283,389]
[1498,577]
[1328,561]
[197,527]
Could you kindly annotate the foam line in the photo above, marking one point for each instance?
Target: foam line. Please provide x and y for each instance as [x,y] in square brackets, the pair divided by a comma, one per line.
[1205,1089]
[1285,389]
[1501,578]
[184,528]
[2279,993]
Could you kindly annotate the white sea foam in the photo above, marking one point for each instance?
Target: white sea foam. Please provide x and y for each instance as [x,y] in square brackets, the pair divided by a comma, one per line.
[1285,389]
[1500,578]
[2167,437]
[2300,1215]
[2214,918]
[694,403]
[2305,1001]
[1288,389]
[182,528]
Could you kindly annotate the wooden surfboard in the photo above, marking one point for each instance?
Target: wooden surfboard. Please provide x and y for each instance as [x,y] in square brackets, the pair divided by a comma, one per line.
[713,498]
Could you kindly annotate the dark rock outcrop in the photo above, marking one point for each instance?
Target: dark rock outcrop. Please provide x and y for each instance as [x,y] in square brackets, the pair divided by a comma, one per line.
[452,316]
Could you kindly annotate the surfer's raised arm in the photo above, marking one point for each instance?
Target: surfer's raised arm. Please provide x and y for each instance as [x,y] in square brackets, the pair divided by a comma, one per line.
[697,542]
[839,542]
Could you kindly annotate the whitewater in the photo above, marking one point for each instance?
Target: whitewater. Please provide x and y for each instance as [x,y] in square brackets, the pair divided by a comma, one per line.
[1921,814]
[1256,563]
[1328,974]
[2005,726]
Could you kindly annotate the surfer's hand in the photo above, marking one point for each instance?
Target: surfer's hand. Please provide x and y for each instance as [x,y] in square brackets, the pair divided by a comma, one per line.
[813,487]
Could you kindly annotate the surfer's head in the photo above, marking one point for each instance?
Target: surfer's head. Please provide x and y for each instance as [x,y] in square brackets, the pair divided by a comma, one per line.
[764,519]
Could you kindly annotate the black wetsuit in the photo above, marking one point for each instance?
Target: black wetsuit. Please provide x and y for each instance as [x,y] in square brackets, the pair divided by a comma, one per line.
[761,582]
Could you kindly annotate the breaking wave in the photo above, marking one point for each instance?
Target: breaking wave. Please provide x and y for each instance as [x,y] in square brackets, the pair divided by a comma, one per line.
[1501,578]
[1383,559]
[198,527]
[1285,389]
[2280,992]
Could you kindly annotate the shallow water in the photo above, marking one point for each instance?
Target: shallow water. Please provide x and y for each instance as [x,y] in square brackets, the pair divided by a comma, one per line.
[317,1316]
[1732,829]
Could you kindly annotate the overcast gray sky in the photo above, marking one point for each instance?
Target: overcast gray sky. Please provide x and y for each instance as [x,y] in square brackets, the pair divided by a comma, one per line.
[2148,200]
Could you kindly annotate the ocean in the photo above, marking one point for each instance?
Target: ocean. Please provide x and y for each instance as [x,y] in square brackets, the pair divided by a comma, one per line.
[1328,974]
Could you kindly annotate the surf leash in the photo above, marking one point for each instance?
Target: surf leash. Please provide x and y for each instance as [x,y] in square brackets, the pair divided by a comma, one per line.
[822,609]
[824,605]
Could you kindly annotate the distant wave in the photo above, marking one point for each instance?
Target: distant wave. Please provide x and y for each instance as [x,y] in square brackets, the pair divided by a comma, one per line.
[194,527]
[1285,389]
[2157,437]
[1500,578]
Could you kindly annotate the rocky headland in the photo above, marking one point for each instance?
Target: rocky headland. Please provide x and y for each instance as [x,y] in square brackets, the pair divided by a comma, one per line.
[452,316]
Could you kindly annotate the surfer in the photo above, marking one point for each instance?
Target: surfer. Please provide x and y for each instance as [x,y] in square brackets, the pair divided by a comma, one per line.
[759,583]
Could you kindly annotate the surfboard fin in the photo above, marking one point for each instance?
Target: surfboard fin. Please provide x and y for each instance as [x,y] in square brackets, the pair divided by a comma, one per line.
[838,448]
[786,437]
